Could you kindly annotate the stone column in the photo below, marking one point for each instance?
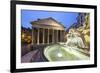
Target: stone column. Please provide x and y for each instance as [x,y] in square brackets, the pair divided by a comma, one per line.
[52,35]
[38,36]
[56,35]
[48,36]
[43,35]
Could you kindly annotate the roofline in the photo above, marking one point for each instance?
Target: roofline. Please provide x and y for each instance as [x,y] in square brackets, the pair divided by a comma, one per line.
[48,18]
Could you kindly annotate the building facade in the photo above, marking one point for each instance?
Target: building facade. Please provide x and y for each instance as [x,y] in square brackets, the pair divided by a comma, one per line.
[47,31]
[26,36]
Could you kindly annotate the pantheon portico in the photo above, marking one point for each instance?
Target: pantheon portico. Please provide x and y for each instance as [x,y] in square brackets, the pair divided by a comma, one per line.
[47,31]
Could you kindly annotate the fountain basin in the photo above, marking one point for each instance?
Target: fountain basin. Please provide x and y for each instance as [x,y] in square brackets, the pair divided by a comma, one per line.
[63,53]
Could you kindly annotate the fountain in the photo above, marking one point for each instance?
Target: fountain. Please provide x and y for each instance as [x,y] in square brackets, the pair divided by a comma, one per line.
[69,50]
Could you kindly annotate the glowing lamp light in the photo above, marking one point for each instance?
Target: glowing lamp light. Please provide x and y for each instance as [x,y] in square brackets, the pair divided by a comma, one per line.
[23,35]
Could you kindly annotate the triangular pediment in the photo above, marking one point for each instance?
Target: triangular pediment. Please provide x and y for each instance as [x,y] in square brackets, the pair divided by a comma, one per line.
[48,22]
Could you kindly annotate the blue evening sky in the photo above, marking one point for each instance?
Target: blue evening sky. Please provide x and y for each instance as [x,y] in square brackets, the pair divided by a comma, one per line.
[66,18]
